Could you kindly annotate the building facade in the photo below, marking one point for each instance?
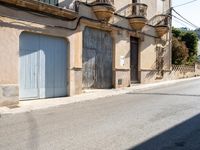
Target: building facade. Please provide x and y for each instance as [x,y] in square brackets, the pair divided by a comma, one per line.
[54,48]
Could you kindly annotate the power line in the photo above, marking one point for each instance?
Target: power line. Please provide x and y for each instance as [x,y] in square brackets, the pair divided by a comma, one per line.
[183,21]
[183,25]
[185,18]
[185,3]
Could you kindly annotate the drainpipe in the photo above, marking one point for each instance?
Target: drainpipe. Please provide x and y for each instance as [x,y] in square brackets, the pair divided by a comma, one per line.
[170,34]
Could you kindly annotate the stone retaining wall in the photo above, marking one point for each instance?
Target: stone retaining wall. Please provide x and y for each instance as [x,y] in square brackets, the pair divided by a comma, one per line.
[9,95]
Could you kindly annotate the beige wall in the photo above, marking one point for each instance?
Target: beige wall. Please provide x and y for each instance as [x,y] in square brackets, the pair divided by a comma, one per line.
[121,58]
[121,6]
[122,50]
[64,3]
[9,55]
[13,22]
[10,30]
[147,46]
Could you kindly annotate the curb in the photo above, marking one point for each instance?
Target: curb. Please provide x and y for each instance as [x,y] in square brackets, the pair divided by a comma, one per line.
[28,106]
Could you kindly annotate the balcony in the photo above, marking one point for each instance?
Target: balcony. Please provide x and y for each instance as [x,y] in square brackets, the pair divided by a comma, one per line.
[137,17]
[42,6]
[51,2]
[103,10]
[162,25]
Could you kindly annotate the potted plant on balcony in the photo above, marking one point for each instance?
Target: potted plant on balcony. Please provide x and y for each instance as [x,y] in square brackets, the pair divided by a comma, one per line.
[161,30]
[138,18]
[162,27]
[103,10]
[137,23]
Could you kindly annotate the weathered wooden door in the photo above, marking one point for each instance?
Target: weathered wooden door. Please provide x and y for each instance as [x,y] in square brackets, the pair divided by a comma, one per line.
[43,66]
[97,59]
[134,60]
[89,59]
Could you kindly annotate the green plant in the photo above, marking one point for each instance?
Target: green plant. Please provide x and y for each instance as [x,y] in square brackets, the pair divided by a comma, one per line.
[177,32]
[190,39]
[179,52]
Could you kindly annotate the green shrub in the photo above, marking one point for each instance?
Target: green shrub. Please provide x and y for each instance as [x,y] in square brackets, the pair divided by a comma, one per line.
[179,52]
[190,41]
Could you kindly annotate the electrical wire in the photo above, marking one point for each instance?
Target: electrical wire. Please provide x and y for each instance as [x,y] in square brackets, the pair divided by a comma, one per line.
[185,3]
[185,18]
[183,21]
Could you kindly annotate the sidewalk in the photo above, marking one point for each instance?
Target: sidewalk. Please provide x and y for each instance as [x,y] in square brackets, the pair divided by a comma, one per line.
[28,106]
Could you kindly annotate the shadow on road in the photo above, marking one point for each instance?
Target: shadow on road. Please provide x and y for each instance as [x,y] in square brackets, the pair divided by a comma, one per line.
[166,94]
[184,136]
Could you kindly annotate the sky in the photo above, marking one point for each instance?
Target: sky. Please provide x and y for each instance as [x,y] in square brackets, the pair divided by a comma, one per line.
[190,11]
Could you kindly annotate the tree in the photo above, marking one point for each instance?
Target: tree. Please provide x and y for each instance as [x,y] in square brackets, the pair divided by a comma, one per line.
[191,40]
[177,33]
[179,52]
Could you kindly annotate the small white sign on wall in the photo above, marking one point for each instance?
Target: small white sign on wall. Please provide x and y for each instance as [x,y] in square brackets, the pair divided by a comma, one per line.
[122,60]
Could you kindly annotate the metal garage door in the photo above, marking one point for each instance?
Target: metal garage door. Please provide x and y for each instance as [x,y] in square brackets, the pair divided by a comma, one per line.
[97,59]
[43,66]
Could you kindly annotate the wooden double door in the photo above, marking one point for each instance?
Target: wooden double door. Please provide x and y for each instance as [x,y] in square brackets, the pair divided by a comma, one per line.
[97,59]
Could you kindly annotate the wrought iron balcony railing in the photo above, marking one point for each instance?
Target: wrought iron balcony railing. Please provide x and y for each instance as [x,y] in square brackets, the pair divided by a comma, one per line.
[163,21]
[162,24]
[138,10]
[43,7]
[134,10]
[109,2]
[160,20]
[105,2]
[51,2]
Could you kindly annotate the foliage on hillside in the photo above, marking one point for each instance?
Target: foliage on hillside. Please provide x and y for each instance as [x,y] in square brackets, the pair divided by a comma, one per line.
[183,39]
[179,51]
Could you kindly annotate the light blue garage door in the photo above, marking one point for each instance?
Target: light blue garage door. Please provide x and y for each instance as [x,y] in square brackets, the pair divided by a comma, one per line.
[43,66]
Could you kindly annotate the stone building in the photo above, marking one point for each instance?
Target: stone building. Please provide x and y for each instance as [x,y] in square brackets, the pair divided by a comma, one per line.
[54,48]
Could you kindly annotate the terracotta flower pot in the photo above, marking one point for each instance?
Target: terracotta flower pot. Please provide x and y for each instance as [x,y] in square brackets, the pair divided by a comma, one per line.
[103,12]
[137,23]
[161,30]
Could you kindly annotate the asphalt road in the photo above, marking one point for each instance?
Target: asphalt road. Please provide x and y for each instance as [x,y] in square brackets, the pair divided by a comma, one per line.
[167,118]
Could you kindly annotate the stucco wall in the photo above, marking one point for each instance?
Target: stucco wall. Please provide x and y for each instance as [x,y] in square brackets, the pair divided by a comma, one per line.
[10,30]
[9,54]
[122,59]
[150,76]
[121,6]
[64,3]
[148,53]
[199,47]
[14,21]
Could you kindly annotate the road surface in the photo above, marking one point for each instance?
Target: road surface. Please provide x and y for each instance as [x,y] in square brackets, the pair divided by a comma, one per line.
[167,118]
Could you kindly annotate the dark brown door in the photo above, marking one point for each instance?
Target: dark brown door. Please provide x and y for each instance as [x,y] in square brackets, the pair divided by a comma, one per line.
[134,60]
[97,59]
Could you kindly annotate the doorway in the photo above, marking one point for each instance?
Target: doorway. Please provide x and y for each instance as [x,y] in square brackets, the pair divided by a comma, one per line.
[97,59]
[134,44]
